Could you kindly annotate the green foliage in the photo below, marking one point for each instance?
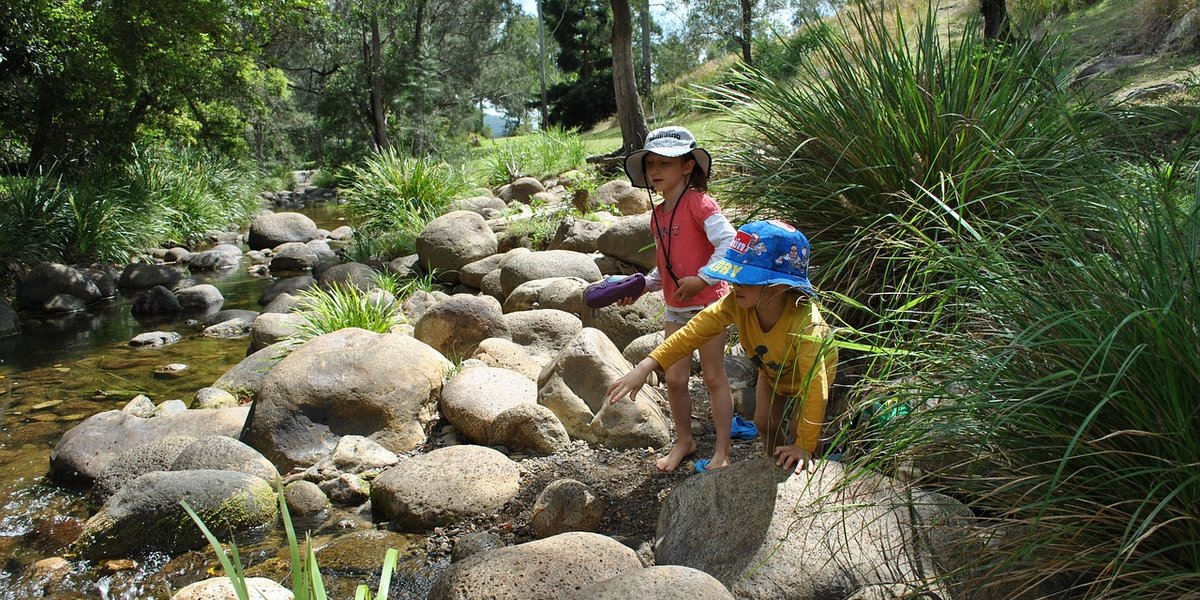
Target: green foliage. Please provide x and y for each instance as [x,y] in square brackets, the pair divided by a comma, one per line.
[188,192]
[393,192]
[546,153]
[162,195]
[871,126]
[1062,409]
[337,307]
[386,246]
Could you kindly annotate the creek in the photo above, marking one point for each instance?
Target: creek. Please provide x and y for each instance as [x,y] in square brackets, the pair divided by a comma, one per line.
[57,372]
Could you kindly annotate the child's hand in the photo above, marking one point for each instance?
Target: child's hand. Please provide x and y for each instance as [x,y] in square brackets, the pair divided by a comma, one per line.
[688,286]
[631,383]
[785,456]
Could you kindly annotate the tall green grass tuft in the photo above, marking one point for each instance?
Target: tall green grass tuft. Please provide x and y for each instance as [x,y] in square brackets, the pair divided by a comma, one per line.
[338,307]
[1064,411]
[543,154]
[889,113]
[393,192]
[307,581]
[163,195]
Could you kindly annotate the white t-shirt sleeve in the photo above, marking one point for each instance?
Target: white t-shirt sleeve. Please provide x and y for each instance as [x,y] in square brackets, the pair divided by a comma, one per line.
[720,234]
[654,280]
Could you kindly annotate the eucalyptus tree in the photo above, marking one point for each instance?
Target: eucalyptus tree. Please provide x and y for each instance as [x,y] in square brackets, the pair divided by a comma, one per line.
[383,73]
[730,25]
[629,104]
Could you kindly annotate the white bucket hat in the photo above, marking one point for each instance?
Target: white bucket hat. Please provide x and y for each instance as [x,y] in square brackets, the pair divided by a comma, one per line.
[667,141]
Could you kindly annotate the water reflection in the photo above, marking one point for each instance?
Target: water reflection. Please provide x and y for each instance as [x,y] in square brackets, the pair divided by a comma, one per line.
[60,370]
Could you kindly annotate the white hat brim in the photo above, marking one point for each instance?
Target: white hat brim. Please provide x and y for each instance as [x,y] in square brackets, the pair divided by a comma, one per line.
[637,175]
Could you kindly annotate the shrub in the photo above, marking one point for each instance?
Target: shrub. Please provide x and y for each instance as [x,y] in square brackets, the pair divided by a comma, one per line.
[1063,410]
[543,154]
[872,125]
[338,307]
[392,192]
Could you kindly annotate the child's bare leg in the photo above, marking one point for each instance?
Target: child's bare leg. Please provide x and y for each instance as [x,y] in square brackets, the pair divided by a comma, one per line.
[767,417]
[680,401]
[712,362]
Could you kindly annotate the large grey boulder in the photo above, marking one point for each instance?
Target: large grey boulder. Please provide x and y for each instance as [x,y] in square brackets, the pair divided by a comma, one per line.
[349,275]
[105,278]
[620,193]
[623,324]
[157,300]
[472,274]
[157,455]
[661,582]
[349,382]
[473,398]
[552,293]
[214,260]
[478,204]
[452,241]
[816,536]
[50,279]
[291,285]
[521,190]
[222,453]
[577,235]
[220,588]
[573,385]
[546,569]
[630,240]
[146,515]
[86,450]
[272,328]
[203,296]
[566,505]
[294,256]
[444,486]
[61,304]
[455,326]
[272,229]
[477,397]
[140,276]
[543,331]
[551,263]
[505,354]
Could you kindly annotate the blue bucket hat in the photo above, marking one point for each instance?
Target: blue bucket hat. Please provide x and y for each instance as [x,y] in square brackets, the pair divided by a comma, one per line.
[765,253]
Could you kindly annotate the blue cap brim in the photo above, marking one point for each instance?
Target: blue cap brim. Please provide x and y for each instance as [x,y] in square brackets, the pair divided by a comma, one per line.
[751,275]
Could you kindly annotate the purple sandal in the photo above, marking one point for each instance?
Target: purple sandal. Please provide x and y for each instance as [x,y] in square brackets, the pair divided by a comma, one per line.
[614,288]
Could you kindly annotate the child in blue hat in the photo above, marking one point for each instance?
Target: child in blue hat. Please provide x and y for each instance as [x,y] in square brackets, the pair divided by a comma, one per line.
[781,330]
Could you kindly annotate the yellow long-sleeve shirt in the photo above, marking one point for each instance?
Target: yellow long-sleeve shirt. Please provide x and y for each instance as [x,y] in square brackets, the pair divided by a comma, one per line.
[791,355]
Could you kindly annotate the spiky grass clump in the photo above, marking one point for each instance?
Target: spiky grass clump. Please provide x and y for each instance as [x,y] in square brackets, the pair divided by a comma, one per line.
[393,192]
[1064,411]
[884,115]
[337,307]
[542,154]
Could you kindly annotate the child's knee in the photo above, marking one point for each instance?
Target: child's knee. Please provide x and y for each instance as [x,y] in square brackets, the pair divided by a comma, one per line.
[677,379]
[715,381]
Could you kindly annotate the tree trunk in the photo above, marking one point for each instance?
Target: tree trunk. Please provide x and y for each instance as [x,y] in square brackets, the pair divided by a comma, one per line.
[746,16]
[995,20]
[379,136]
[542,61]
[629,105]
[647,82]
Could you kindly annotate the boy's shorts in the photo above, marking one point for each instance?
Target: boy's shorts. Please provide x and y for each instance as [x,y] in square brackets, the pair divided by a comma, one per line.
[680,315]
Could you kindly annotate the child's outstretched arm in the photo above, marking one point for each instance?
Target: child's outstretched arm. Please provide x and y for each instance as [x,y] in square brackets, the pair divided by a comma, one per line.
[631,383]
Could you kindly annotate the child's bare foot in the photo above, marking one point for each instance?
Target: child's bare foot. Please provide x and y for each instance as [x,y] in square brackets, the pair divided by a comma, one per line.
[719,459]
[678,452]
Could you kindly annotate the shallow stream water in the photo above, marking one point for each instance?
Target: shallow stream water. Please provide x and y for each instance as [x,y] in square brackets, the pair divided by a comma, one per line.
[58,372]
